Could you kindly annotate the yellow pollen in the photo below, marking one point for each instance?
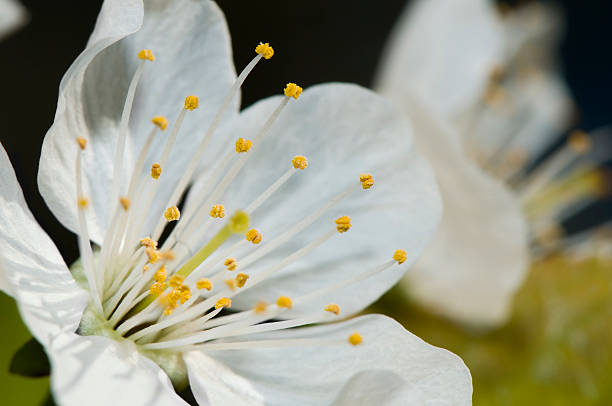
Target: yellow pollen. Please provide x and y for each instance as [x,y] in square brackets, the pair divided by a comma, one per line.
[355,339]
[156,171]
[343,224]
[299,162]
[217,211]
[148,242]
[241,279]
[243,145]
[231,284]
[82,142]
[579,141]
[153,255]
[253,236]
[176,281]
[265,50]
[160,275]
[145,268]
[125,203]
[399,256]
[168,311]
[223,302]
[204,283]
[284,301]
[83,202]
[230,263]
[146,54]
[172,213]
[157,289]
[191,103]
[185,294]
[174,296]
[333,308]
[367,181]
[161,122]
[293,90]
[260,307]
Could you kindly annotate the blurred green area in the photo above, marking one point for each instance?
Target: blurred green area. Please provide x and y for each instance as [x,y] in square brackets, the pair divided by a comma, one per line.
[16,390]
[556,349]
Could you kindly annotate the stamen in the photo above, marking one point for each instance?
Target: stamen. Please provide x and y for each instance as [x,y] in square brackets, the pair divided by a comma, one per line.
[332,308]
[148,243]
[230,264]
[82,142]
[161,122]
[172,213]
[253,236]
[260,307]
[125,202]
[223,302]
[343,224]
[367,181]
[156,171]
[243,145]
[284,301]
[204,283]
[299,162]
[241,279]
[217,211]
[355,339]
[293,90]
[146,54]
[83,202]
[399,256]
[265,50]
[191,103]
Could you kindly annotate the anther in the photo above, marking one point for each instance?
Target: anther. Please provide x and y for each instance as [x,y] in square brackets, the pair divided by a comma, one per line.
[167,255]
[156,171]
[253,236]
[83,202]
[204,283]
[161,122]
[82,142]
[284,301]
[265,50]
[343,224]
[332,308]
[230,263]
[125,203]
[185,294]
[160,275]
[299,162]
[168,311]
[172,213]
[146,54]
[260,307]
[217,211]
[157,289]
[367,181]
[231,284]
[293,90]
[191,103]
[579,141]
[355,339]
[243,145]
[223,302]
[153,255]
[176,281]
[399,256]
[148,242]
[241,279]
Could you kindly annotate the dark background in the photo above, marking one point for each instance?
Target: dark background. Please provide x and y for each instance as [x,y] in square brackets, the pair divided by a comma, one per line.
[318,41]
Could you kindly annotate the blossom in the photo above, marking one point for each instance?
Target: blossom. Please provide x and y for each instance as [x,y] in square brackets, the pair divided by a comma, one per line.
[484,95]
[12,15]
[289,220]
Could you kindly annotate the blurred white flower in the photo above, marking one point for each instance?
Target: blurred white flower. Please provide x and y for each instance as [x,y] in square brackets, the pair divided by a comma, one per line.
[148,312]
[12,16]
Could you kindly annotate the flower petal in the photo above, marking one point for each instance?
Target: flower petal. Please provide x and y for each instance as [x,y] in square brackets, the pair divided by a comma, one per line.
[93,91]
[12,15]
[32,269]
[343,130]
[479,255]
[390,367]
[95,370]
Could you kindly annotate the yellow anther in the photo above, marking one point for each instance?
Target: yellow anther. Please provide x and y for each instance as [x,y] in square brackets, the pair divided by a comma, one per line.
[579,141]
[172,213]
[157,289]
[204,283]
[343,224]
[153,255]
[148,242]
[167,255]
[191,102]
[241,279]
[284,301]
[156,171]
[217,211]
[83,202]
[265,50]
[367,181]
[355,339]
[160,275]
[145,268]
[169,309]
[82,142]
[293,90]
[243,145]
[230,263]
[176,281]
[253,236]
[223,302]
[231,284]
[260,307]
[161,122]
[146,54]
[333,308]
[299,162]
[125,203]
[185,294]
[174,296]
[399,256]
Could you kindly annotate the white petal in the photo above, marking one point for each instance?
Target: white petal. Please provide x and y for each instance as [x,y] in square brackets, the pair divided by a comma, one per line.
[193,56]
[478,257]
[343,130]
[95,370]
[447,49]
[33,270]
[12,15]
[391,367]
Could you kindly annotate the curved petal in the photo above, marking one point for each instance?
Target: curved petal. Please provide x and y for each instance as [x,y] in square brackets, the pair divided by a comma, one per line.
[95,370]
[32,268]
[391,367]
[343,130]
[479,255]
[93,91]
[447,49]
[12,15]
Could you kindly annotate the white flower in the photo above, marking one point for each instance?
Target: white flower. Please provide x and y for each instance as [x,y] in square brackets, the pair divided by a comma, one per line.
[485,100]
[12,15]
[150,311]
